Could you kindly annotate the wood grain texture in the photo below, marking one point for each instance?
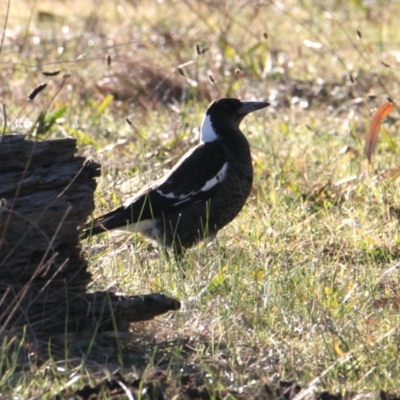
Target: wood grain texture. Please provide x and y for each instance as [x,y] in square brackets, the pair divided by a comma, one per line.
[46,196]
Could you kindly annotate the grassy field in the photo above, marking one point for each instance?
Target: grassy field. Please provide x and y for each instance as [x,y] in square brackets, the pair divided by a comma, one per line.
[303,285]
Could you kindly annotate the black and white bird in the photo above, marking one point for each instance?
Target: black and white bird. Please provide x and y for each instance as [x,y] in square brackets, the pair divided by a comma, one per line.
[205,190]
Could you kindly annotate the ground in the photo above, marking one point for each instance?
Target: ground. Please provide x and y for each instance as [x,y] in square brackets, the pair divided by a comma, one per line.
[301,289]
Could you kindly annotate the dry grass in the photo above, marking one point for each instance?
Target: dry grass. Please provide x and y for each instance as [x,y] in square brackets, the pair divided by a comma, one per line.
[304,283]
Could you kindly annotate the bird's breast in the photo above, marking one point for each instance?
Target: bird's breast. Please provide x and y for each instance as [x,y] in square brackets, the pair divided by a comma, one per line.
[230,198]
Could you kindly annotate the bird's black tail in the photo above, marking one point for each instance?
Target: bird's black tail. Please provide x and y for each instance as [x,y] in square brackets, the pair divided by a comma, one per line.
[112,220]
[141,208]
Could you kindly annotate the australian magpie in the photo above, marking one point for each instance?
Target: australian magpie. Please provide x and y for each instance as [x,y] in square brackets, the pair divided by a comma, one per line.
[205,190]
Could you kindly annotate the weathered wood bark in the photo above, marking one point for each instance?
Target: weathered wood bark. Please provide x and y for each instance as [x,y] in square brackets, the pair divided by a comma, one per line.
[46,195]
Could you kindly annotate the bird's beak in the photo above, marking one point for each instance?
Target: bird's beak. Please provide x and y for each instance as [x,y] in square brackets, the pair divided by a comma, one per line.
[250,106]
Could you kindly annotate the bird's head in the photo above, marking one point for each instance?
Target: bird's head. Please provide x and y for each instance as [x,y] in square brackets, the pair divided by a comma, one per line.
[224,114]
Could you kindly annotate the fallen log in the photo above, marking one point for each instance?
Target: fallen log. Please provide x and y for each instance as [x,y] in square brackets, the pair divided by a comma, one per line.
[46,195]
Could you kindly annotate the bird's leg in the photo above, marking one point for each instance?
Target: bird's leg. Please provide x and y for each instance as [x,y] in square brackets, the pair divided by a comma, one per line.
[166,254]
[179,254]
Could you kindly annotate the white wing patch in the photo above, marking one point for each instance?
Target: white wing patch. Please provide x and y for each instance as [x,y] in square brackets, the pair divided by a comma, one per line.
[207,131]
[217,178]
[172,195]
[207,186]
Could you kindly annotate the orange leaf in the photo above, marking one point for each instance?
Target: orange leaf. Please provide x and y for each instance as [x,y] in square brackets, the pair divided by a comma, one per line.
[372,137]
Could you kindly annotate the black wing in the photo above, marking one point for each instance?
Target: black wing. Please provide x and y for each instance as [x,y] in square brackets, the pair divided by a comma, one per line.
[194,178]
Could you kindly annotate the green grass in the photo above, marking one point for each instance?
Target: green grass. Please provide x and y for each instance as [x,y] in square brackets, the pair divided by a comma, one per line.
[304,282]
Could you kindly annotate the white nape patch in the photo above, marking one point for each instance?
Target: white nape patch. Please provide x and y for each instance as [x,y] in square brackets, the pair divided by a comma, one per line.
[207,131]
